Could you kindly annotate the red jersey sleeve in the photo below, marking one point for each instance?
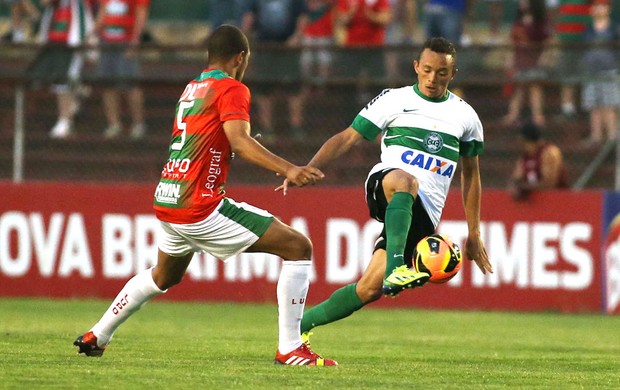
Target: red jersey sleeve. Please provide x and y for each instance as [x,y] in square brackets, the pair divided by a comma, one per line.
[382,5]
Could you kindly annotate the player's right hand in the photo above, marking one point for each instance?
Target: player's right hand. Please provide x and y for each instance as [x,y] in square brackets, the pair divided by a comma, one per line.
[283,187]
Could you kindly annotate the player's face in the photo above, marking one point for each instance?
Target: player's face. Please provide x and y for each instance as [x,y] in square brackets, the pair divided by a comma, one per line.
[435,71]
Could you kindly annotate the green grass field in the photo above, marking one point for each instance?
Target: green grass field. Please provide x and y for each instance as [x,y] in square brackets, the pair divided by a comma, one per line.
[224,346]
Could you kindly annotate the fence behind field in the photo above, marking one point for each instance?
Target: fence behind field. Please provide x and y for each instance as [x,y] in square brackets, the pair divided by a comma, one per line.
[28,111]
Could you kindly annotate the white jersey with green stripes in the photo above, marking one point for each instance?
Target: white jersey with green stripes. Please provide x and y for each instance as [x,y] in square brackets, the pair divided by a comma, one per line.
[422,136]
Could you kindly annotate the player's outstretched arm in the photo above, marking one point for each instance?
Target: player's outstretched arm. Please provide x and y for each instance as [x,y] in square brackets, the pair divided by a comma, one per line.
[335,147]
[472,191]
[246,147]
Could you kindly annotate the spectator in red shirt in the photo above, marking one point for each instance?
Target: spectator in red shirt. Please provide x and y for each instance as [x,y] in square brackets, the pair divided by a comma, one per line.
[119,26]
[315,34]
[529,32]
[364,23]
[540,165]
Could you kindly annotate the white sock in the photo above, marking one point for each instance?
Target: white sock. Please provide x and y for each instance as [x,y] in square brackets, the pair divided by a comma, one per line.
[291,291]
[137,291]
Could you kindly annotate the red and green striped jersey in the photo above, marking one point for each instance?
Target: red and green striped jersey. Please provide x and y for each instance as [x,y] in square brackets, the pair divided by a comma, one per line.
[321,20]
[573,18]
[119,18]
[59,26]
[192,181]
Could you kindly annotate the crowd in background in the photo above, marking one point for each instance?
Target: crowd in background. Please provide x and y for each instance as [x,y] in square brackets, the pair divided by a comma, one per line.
[62,27]
[543,38]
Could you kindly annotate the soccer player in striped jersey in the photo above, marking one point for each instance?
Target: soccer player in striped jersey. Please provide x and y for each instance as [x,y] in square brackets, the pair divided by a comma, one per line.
[212,122]
[426,130]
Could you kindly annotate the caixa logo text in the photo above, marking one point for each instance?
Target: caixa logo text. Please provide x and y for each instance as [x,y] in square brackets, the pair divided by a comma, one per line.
[430,163]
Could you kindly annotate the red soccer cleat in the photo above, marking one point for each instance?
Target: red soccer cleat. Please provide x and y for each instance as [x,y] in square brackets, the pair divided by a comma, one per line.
[303,356]
[88,345]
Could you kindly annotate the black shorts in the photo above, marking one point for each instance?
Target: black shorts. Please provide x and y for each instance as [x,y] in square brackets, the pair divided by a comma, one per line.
[421,224]
[118,67]
[359,62]
[55,64]
[270,66]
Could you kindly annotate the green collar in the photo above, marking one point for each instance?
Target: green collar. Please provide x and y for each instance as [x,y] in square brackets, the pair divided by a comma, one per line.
[434,100]
[213,74]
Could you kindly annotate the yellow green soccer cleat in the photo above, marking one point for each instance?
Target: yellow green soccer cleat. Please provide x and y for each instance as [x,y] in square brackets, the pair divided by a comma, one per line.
[305,338]
[403,278]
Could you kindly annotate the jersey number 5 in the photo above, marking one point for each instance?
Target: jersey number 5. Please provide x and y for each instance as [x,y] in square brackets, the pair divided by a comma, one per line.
[181,125]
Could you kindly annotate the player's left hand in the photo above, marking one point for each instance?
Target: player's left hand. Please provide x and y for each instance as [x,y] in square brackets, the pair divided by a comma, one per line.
[475,251]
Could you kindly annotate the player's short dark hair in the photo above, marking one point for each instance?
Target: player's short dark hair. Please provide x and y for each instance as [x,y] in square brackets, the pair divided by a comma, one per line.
[530,132]
[439,45]
[225,42]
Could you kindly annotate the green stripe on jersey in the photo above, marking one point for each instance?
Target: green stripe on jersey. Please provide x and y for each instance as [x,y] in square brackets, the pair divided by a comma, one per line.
[195,109]
[251,220]
[472,148]
[414,138]
[188,148]
[212,74]
[366,128]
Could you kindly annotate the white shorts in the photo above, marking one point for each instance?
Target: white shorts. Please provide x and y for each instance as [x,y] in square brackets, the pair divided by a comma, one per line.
[231,229]
[316,52]
[600,93]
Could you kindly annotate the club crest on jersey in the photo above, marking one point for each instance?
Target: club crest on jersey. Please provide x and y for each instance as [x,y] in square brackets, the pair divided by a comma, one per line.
[433,142]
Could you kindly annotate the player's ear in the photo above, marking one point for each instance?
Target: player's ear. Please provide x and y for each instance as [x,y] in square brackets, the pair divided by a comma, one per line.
[240,58]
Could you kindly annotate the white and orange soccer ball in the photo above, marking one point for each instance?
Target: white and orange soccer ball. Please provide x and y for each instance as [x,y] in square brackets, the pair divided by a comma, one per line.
[439,256]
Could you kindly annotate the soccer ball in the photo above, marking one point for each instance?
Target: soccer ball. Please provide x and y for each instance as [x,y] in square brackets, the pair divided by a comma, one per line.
[438,256]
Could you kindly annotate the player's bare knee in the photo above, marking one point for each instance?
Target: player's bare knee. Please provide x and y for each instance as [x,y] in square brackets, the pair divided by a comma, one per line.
[409,184]
[400,181]
[307,250]
[302,248]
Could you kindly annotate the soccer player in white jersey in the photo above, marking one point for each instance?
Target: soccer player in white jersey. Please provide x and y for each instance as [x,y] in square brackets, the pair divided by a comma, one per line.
[426,130]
